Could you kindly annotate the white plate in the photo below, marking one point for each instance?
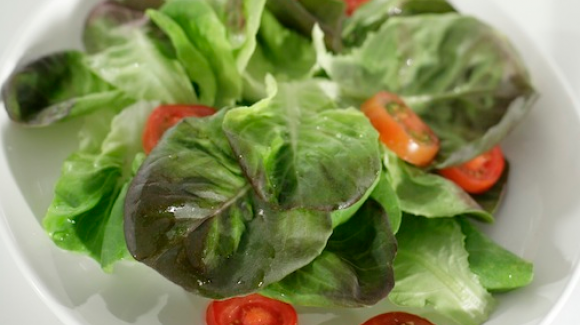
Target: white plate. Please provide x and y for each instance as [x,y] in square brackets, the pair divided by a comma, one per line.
[539,220]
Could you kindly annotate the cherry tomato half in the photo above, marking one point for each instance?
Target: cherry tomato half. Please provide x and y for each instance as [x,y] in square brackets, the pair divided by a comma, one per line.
[166,116]
[400,129]
[397,318]
[479,174]
[250,310]
[352,5]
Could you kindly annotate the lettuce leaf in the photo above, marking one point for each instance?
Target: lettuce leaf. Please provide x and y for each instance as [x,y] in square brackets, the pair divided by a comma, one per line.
[385,195]
[302,15]
[142,71]
[200,213]
[110,23]
[134,56]
[281,53]
[86,213]
[232,25]
[127,60]
[245,43]
[57,87]
[289,144]
[202,25]
[497,268]
[461,76]
[369,17]
[191,214]
[141,4]
[429,195]
[355,269]
[197,67]
[432,271]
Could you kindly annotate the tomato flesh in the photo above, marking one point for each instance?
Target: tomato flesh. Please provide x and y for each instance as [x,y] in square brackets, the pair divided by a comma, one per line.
[397,318]
[352,5]
[479,174]
[250,310]
[164,117]
[400,129]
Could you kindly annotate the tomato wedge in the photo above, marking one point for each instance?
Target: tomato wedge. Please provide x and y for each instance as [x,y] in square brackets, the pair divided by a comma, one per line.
[250,310]
[352,5]
[400,129]
[166,116]
[397,318]
[479,174]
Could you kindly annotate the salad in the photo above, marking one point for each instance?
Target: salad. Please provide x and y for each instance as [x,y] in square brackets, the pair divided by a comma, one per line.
[283,153]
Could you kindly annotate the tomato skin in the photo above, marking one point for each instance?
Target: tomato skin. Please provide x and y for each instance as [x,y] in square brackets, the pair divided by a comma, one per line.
[250,310]
[479,174]
[164,117]
[400,129]
[397,318]
[352,5]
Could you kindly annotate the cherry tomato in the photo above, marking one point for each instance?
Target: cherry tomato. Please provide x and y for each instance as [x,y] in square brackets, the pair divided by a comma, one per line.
[397,318]
[352,5]
[400,129]
[479,174]
[250,310]
[166,116]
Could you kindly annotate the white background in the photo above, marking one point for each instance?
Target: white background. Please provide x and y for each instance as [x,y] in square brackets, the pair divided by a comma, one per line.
[555,29]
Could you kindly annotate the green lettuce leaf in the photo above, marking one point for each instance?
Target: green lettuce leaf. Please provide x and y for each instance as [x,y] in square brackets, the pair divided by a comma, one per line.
[109,24]
[372,15]
[141,4]
[303,15]
[249,16]
[114,247]
[432,271]
[497,268]
[461,76]
[341,216]
[290,143]
[355,269]
[128,60]
[209,35]
[281,53]
[194,62]
[385,195]
[191,214]
[142,71]
[86,214]
[429,195]
[240,21]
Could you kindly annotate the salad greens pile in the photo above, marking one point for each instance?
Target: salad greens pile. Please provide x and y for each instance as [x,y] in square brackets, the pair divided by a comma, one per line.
[286,190]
